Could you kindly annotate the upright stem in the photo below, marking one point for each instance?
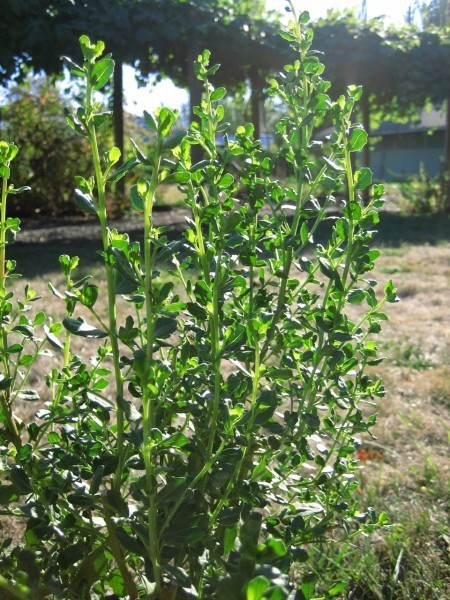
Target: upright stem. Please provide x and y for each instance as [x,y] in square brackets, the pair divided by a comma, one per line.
[148,398]
[5,396]
[351,199]
[116,550]
[110,284]
[214,324]
[3,233]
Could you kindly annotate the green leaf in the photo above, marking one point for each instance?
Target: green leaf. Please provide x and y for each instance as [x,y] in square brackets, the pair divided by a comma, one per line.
[91,51]
[334,166]
[4,171]
[21,480]
[54,291]
[304,232]
[9,493]
[179,177]
[12,152]
[352,211]
[114,580]
[377,191]
[102,72]
[226,181]
[308,586]
[15,191]
[81,499]
[113,155]
[177,440]
[123,170]
[82,329]
[174,140]
[356,296]
[304,18]
[186,529]
[166,120]
[164,327]
[218,94]
[230,538]
[257,588]
[52,339]
[175,307]
[358,139]
[71,554]
[363,178]
[25,330]
[5,382]
[75,124]
[102,118]
[337,588]
[85,202]
[274,549]
[75,69]
[287,36]
[138,194]
[14,348]
[150,121]
[89,295]
[390,292]
[170,492]
[125,268]
[130,543]
[139,154]
[178,575]
[116,503]
[196,311]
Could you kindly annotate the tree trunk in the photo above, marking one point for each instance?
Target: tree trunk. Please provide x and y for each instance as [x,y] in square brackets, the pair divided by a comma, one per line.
[365,109]
[256,92]
[447,160]
[118,118]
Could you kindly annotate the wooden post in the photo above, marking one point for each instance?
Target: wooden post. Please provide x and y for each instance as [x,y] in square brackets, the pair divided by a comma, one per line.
[118,118]
[255,101]
[447,159]
[365,109]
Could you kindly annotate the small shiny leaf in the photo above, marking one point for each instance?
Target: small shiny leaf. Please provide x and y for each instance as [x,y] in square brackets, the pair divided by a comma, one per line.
[79,327]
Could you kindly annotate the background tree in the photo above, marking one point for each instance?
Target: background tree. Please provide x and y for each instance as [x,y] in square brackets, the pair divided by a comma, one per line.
[155,36]
[436,14]
[34,119]
[400,68]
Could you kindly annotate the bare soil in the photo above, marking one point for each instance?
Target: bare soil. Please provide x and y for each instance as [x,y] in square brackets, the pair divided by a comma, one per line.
[73,229]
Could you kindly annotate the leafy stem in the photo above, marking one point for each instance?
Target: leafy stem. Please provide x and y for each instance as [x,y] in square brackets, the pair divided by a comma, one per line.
[214,324]
[148,394]
[110,279]
[3,232]
[117,551]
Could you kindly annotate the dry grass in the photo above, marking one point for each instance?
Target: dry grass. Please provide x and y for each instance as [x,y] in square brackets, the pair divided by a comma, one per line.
[412,483]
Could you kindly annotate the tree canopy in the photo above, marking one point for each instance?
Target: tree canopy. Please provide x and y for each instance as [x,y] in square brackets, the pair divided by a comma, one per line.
[400,69]
[155,36]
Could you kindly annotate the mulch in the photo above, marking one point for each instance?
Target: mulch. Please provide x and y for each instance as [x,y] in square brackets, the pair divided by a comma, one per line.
[78,229]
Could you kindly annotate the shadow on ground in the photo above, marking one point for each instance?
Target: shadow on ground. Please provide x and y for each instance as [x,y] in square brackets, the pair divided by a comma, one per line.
[395,229]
